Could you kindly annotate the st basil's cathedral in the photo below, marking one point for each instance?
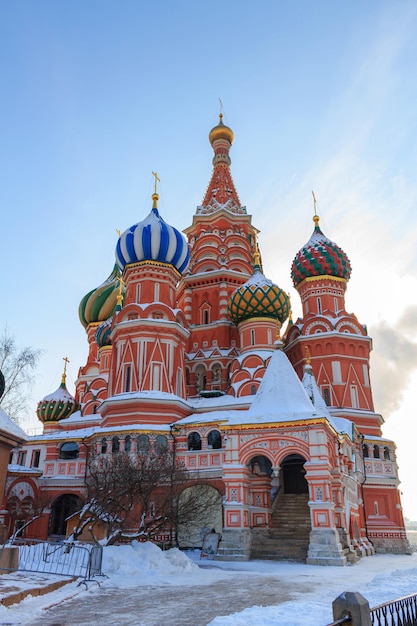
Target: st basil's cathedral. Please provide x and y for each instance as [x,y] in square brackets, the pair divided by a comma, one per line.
[190,345]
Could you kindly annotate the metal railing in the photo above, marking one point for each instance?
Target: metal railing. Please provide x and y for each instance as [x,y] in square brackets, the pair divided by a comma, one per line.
[63,558]
[352,609]
[400,612]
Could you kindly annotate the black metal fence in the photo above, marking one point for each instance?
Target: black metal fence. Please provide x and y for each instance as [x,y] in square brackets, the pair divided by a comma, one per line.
[82,561]
[401,612]
[352,609]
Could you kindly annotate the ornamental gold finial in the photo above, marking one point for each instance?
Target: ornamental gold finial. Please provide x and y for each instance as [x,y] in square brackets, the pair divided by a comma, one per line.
[256,254]
[155,196]
[119,232]
[316,218]
[64,375]
[308,359]
[120,295]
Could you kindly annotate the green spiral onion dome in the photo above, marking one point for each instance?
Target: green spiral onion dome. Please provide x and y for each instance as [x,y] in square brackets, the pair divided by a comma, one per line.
[99,304]
[319,257]
[103,333]
[58,405]
[258,297]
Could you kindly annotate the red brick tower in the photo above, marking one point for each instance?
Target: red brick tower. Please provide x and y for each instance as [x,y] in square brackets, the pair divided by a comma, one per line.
[221,240]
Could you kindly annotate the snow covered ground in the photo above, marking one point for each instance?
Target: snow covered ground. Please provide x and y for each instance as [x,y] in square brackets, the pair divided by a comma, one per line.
[146,586]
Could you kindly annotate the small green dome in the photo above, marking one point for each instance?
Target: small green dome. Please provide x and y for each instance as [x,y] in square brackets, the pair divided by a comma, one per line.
[57,405]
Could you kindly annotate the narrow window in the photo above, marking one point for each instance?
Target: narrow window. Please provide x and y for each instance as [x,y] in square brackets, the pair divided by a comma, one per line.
[386,453]
[354,396]
[214,440]
[128,443]
[376,507]
[138,292]
[104,446]
[156,292]
[115,445]
[22,458]
[36,455]
[319,311]
[253,390]
[336,305]
[194,441]
[128,371]
[143,444]
[269,337]
[252,337]
[365,451]
[156,372]
[365,375]
[376,452]
[205,316]
[161,444]
[326,396]
[337,372]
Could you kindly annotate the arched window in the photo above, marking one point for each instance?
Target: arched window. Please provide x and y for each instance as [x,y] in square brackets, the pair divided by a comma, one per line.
[214,439]
[376,452]
[143,444]
[128,443]
[161,444]
[253,390]
[103,445]
[69,450]
[115,445]
[386,454]
[326,395]
[194,441]
[365,450]
[319,311]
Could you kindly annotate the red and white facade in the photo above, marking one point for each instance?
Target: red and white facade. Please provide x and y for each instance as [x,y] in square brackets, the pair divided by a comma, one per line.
[168,365]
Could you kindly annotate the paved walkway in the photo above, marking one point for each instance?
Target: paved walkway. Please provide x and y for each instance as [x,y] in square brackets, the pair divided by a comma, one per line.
[160,605]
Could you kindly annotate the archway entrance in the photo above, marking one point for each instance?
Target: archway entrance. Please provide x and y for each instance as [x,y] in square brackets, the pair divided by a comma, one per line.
[61,509]
[199,510]
[293,474]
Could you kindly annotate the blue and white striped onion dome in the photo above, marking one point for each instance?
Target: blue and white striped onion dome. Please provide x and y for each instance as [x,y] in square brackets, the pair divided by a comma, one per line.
[152,240]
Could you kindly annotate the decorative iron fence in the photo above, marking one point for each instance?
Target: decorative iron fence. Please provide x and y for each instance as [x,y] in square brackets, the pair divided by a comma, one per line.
[401,612]
[352,609]
[64,558]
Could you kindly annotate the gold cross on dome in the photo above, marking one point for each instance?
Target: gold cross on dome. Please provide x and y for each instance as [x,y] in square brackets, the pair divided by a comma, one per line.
[315,203]
[66,361]
[157,180]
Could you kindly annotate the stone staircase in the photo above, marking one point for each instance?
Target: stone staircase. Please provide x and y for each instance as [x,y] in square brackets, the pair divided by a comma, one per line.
[288,537]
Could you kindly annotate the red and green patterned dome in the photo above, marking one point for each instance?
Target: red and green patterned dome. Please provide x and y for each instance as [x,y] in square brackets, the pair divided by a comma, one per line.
[57,405]
[319,257]
[258,297]
[99,304]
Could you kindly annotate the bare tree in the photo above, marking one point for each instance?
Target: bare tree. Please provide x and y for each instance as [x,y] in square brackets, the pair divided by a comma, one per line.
[17,366]
[138,497]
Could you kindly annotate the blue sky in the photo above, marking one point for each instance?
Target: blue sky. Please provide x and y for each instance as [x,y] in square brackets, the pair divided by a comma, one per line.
[320,95]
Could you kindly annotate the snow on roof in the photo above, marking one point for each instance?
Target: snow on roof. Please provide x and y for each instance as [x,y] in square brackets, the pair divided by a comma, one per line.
[151,394]
[281,397]
[15,468]
[10,427]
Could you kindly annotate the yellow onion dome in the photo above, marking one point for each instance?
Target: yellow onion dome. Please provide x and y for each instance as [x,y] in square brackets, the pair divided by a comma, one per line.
[258,297]
[221,131]
[57,405]
[99,304]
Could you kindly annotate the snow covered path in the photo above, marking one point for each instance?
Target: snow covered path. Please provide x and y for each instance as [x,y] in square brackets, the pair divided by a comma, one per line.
[170,606]
[148,587]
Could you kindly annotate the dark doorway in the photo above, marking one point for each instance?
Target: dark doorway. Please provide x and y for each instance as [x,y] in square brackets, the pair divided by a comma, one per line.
[61,509]
[293,474]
